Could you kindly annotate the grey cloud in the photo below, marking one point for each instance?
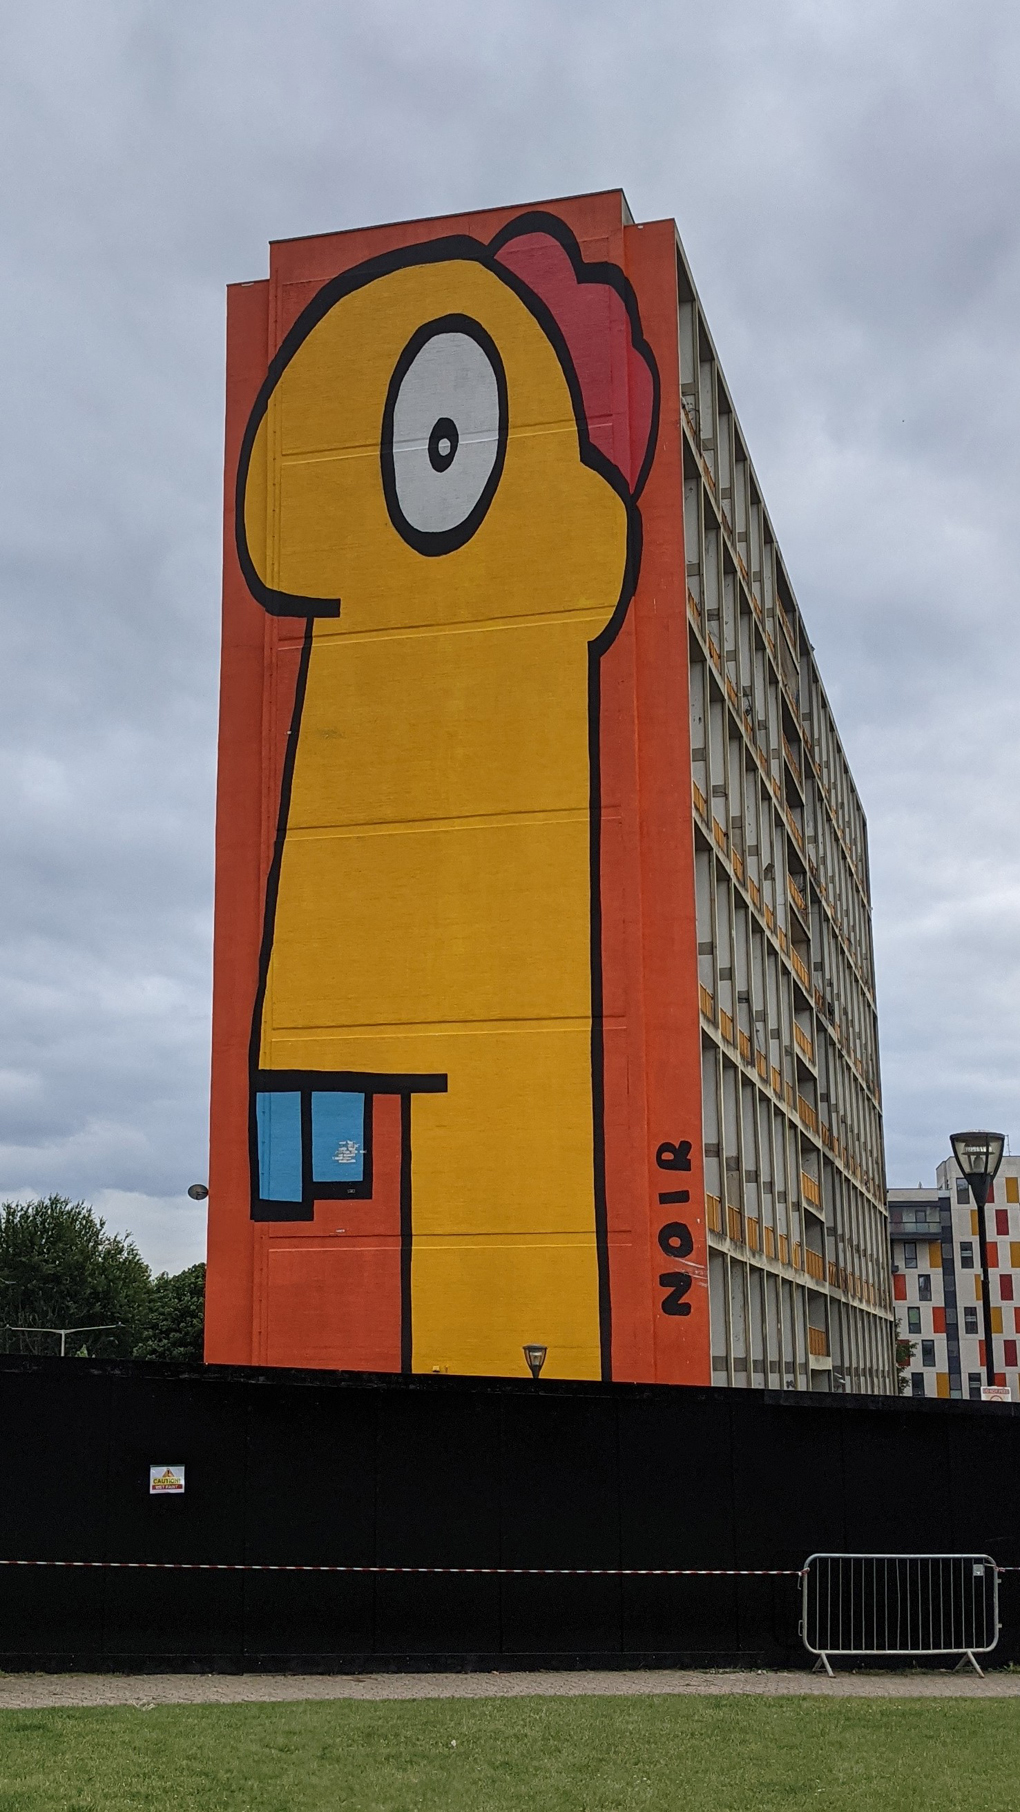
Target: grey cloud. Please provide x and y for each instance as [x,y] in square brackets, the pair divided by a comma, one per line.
[844,177]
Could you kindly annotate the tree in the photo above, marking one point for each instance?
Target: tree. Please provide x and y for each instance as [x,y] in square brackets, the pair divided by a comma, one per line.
[905,1350]
[175,1326]
[59,1268]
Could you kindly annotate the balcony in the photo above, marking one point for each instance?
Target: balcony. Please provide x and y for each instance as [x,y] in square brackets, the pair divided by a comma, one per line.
[800,970]
[770,1242]
[818,1343]
[719,834]
[751,1230]
[793,762]
[738,865]
[713,1215]
[803,1043]
[761,1064]
[735,1225]
[809,1190]
[744,1045]
[807,1113]
[700,802]
[713,653]
[796,896]
[726,1025]
[707,1001]
[814,1264]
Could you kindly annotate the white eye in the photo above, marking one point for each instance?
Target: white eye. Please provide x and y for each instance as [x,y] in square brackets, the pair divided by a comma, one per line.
[444,434]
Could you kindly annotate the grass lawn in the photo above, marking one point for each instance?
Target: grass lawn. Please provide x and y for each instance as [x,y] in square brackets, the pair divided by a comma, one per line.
[531,1755]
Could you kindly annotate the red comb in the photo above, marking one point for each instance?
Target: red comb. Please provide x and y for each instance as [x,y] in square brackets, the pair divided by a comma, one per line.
[616,375]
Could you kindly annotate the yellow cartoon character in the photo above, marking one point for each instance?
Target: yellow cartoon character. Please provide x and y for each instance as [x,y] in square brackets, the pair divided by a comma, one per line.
[440,474]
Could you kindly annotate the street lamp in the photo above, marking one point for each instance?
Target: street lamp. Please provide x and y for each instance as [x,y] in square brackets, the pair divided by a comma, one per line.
[979,1155]
[535,1356]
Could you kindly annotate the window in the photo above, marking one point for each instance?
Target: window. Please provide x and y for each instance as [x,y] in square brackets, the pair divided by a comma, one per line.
[1005,1287]
[923,1287]
[913,1321]
[917,1384]
[1002,1220]
[974,1386]
[961,1189]
[910,1255]
[1013,1189]
[927,1352]
[970,1321]
[966,1255]
[991,1192]
[1009,1351]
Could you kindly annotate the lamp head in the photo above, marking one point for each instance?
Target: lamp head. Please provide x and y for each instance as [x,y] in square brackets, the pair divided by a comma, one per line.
[197,1192]
[979,1155]
[535,1356]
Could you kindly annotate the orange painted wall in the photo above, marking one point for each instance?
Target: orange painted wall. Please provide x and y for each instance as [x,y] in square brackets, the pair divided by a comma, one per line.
[302,1292]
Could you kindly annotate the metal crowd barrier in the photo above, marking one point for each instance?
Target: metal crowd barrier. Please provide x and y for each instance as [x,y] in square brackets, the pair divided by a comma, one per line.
[869,1605]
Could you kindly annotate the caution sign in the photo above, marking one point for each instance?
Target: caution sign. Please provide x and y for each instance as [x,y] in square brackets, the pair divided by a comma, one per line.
[163,1479]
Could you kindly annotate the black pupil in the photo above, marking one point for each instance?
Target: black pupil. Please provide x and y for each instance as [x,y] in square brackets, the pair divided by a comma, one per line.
[443,442]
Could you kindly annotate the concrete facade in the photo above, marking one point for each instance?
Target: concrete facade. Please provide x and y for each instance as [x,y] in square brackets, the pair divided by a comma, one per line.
[794,1164]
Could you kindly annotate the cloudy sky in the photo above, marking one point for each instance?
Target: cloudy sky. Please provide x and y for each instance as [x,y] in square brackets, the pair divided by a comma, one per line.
[845,175]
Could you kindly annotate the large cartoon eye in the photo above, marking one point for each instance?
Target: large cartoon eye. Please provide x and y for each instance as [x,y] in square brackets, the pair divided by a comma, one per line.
[444,434]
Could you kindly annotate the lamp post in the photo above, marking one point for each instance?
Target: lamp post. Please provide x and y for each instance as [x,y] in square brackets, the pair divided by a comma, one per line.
[979,1155]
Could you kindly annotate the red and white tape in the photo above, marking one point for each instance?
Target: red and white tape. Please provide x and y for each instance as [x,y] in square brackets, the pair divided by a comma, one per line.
[293,1566]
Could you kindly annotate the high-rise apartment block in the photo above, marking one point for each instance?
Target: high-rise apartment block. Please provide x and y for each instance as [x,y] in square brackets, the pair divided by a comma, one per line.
[794,1164]
[937,1283]
[544,1004]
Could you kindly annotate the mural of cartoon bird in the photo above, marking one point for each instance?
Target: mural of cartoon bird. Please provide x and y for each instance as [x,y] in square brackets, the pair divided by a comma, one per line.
[440,473]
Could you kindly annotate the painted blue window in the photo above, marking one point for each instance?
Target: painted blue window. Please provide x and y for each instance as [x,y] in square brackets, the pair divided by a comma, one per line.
[338,1138]
[278,1118]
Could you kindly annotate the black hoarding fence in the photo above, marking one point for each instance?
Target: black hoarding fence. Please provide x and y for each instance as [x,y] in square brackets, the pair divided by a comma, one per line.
[329,1522]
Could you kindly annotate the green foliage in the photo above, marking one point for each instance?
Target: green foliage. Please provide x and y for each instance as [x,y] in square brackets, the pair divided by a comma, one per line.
[175,1323]
[905,1350]
[579,1754]
[60,1268]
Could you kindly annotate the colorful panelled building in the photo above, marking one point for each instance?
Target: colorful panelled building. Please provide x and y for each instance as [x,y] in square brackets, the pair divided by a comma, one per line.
[544,998]
[937,1283]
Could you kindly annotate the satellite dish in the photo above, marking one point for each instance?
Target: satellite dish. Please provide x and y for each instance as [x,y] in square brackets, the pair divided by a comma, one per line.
[198,1192]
